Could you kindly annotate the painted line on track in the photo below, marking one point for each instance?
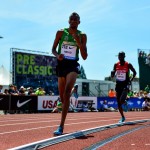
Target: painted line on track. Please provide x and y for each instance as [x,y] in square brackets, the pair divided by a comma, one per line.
[111,139]
[55,140]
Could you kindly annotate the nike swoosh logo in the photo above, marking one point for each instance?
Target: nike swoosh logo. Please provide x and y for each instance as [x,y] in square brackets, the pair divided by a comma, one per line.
[1,99]
[71,47]
[23,103]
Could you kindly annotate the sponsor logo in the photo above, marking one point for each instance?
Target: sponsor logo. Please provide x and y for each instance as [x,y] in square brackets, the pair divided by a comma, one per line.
[111,103]
[1,99]
[138,102]
[71,47]
[23,103]
[130,103]
[101,102]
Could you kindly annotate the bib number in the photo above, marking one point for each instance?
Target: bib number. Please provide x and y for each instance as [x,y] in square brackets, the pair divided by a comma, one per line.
[121,75]
[68,51]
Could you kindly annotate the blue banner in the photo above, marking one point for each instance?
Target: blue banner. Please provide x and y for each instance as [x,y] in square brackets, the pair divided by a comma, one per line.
[133,102]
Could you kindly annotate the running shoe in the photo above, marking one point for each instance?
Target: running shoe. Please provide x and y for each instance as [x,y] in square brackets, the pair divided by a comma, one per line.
[59,131]
[122,120]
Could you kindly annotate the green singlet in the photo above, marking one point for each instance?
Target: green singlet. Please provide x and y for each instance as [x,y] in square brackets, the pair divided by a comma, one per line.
[68,46]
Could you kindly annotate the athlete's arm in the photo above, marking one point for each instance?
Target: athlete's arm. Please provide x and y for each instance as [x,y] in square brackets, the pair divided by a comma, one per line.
[55,44]
[113,71]
[133,70]
[82,44]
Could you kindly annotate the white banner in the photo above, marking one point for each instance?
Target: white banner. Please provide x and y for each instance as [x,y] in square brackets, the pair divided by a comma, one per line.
[49,102]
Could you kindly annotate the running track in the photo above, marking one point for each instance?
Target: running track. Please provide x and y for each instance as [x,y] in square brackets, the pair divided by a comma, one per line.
[21,129]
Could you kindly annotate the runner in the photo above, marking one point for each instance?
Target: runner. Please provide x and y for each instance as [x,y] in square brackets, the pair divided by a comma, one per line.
[69,41]
[123,81]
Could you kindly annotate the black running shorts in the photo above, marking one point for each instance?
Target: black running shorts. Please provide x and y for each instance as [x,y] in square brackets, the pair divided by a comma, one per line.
[66,66]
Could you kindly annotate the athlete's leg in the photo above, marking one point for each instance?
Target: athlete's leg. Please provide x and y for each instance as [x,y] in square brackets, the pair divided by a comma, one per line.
[70,80]
[118,95]
[61,87]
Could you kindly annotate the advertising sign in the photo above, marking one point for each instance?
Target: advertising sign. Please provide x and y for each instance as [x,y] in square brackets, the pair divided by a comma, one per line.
[34,70]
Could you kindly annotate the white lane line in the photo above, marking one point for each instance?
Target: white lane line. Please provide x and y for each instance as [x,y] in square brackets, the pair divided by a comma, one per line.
[51,118]
[16,131]
[2,133]
[11,124]
[24,123]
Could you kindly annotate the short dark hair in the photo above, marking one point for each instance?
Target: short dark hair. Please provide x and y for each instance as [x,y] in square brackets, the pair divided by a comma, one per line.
[122,54]
[75,14]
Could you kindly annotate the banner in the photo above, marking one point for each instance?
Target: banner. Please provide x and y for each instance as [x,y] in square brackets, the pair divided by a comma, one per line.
[50,102]
[133,102]
[5,102]
[34,70]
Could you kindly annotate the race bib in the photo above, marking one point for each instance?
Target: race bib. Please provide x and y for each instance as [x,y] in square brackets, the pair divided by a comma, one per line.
[68,51]
[121,75]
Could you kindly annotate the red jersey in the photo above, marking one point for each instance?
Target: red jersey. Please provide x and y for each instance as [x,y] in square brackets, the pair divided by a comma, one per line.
[122,71]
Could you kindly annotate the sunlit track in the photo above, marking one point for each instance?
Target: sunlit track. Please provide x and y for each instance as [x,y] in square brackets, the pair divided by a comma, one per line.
[20,129]
[2,133]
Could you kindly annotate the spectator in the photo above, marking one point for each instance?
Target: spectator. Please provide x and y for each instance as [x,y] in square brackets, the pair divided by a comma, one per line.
[22,91]
[6,92]
[106,108]
[145,94]
[16,90]
[40,91]
[58,108]
[111,93]
[12,90]
[146,105]
[130,94]
[30,91]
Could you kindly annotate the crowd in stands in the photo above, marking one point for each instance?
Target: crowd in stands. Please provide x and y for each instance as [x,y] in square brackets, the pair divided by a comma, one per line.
[12,90]
[145,56]
[140,94]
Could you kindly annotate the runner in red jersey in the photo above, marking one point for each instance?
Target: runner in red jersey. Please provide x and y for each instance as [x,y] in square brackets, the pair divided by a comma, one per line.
[123,81]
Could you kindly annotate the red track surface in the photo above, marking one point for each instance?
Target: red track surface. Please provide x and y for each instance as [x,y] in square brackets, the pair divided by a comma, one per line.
[20,129]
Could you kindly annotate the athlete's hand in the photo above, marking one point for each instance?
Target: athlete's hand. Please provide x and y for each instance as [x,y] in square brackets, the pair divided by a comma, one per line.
[60,57]
[77,38]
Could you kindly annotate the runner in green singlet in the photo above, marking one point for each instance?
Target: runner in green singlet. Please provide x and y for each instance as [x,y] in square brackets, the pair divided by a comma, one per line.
[70,41]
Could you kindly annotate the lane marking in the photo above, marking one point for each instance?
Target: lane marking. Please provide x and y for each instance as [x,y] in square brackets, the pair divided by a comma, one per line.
[41,127]
[24,123]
